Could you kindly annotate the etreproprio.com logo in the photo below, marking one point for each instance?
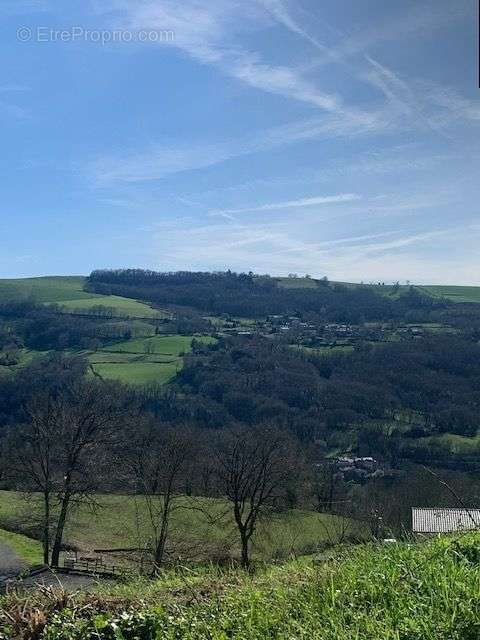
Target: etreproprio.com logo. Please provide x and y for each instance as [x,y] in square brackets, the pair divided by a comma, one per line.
[95,36]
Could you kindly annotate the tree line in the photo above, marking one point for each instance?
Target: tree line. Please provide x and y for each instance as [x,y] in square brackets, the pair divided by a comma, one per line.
[258,296]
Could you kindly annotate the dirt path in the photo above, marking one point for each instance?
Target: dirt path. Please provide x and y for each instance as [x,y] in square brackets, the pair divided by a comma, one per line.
[10,563]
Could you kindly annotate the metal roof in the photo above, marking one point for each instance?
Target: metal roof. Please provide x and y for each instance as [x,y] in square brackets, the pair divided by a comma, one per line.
[432,520]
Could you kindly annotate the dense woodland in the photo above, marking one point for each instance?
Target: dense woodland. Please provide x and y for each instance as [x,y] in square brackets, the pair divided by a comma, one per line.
[256,296]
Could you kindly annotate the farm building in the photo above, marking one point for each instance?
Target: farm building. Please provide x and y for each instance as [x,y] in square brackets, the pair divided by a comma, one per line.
[432,520]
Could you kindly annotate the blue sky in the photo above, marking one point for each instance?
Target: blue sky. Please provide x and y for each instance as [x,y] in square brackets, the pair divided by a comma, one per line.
[338,137]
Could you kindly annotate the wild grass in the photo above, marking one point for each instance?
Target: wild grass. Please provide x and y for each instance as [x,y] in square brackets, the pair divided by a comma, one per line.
[404,591]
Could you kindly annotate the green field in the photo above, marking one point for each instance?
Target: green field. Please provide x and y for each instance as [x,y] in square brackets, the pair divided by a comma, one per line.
[26,548]
[120,306]
[68,292]
[47,289]
[136,361]
[457,294]
[144,360]
[325,350]
[121,522]
[297,283]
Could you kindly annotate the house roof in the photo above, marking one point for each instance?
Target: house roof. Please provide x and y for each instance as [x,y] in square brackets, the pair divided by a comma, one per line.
[433,520]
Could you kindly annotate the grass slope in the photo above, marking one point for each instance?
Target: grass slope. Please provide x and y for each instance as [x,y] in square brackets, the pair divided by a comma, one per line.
[68,291]
[400,591]
[144,360]
[457,294]
[47,289]
[122,522]
[26,548]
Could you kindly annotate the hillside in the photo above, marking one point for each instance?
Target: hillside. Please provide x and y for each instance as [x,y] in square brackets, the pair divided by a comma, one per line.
[142,327]
[407,591]
[68,292]
[121,522]
[143,358]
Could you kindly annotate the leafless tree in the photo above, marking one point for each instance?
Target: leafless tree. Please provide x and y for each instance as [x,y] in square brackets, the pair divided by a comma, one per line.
[254,470]
[31,452]
[64,450]
[159,460]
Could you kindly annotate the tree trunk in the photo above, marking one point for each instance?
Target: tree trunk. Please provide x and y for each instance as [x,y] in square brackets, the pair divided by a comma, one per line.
[162,538]
[245,554]
[57,544]
[46,527]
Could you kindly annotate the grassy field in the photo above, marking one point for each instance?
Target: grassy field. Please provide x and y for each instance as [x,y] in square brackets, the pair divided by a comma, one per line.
[27,549]
[120,306]
[457,294]
[68,292]
[297,283]
[144,360]
[135,361]
[324,350]
[121,522]
[48,289]
[137,372]
[403,591]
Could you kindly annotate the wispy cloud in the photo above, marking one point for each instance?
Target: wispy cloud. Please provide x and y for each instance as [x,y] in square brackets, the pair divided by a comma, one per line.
[421,18]
[293,204]
[405,99]
[208,32]
[167,159]
[13,88]
[283,247]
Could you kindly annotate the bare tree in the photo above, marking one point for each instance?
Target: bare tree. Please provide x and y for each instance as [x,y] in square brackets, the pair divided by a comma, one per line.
[31,452]
[89,419]
[64,449]
[254,471]
[159,460]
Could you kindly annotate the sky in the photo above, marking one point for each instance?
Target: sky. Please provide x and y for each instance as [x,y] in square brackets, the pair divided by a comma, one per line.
[328,137]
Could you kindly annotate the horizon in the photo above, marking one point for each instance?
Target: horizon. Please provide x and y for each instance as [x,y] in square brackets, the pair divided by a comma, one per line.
[402,283]
[275,136]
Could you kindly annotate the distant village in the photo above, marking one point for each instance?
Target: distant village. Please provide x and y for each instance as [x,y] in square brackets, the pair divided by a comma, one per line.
[314,335]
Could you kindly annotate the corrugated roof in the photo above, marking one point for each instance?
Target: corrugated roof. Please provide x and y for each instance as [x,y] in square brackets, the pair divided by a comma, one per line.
[434,520]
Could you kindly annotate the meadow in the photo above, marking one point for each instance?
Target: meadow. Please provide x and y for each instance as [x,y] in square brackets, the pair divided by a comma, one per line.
[143,360]
[297,283]
[67,291]
[455,293]
[201,528]
[137,361]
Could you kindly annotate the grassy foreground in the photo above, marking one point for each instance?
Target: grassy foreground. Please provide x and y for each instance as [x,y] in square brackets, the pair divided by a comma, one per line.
[403,591]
